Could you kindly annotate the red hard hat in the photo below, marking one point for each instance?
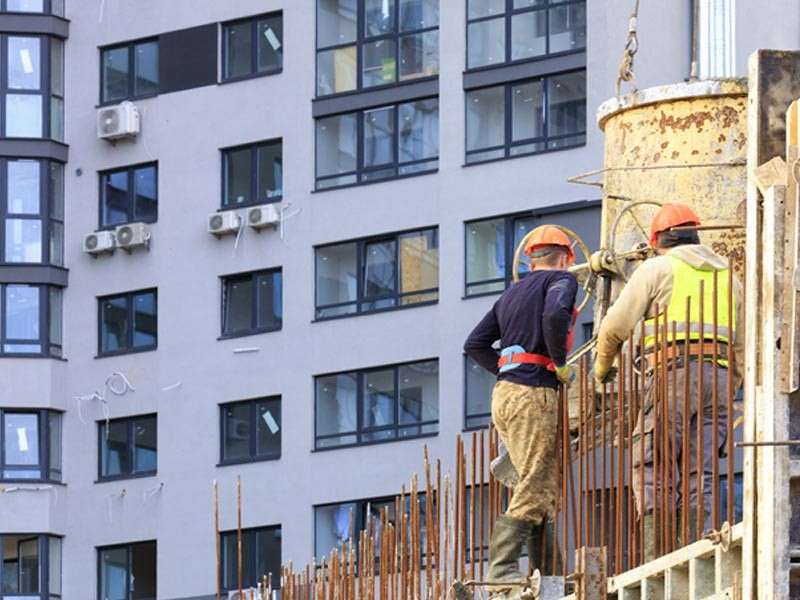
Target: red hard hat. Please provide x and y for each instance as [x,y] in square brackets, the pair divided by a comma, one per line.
[548,235]
[671,214]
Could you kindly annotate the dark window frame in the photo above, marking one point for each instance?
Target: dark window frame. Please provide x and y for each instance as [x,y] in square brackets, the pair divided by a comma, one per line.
[508,142]
[131,46]
[276,580]
[49,349]
[254,302]
[43,550]
[361,298]
[361,171]
[130,349]
[253,20]
[252,403]
[131,195]
[474,416]
[130,423]
[361,429]
[44,439]
[253,148]
[507,16]
[47,9]
[129,566]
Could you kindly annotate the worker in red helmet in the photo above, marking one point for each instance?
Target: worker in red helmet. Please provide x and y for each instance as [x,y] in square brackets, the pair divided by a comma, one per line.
[666,282]
[533,320]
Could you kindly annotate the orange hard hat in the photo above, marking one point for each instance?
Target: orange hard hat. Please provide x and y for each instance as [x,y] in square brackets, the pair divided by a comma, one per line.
[548,235]
[671,214]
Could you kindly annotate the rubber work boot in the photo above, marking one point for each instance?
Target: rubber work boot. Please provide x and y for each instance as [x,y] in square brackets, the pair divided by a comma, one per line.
[505,548]
[534,543]
[503,469]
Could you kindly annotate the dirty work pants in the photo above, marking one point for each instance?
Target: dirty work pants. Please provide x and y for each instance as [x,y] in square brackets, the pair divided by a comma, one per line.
[700,414]
[526,418]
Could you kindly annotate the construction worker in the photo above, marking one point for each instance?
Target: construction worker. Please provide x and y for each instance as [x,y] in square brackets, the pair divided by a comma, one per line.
[533,320]
[666,282]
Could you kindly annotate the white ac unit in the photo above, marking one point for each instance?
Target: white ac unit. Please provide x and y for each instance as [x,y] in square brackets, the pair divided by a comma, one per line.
[132,235]
[223,223]
[259,217]
[120,121]
[99,242]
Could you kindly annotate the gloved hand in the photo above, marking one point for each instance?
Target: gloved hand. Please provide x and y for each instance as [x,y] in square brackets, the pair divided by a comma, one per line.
[604,373]
[565,374]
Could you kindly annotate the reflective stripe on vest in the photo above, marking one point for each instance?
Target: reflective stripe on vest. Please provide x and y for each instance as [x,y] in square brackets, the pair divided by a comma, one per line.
[686,284]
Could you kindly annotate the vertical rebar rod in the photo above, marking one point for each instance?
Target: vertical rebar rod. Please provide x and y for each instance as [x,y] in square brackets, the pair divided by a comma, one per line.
[239,531]
[686,435]
[472,505]
[630,404]
[603,483]
[429,519]
[582,454]
[732,328]
[457,516]
[657,360]
[593,446]
[641,416]
[673,445]
[563,446]
[480,509]
[437,548]
[462,523]
[620,499]
[216,539]
[612,480]
[663,435]
[701,413]
[445,557]
[714,407]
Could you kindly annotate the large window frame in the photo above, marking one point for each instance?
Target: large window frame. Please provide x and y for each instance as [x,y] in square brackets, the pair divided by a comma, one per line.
[257,198]
[362,301]
[256,296]
[129,575]
[50,7]
[48,323]
[48,442]
[475,420]
[396,429]
[255,40]
[129,347]
[130,199]
[250,575]
[131,47]
[273,406]
[37,579]
[129,470]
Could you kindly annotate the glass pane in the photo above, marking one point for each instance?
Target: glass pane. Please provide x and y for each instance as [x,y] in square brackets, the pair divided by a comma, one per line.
[378,17]
[230,559]
[57,119]
[268,428]
[113,324]
[238,305]
[419,130]
[567,27]
[22,312]
[336,145]
[54,442]
[114,574]
[333,182]
[24,187]
[521,227]
[485,8]
[143,571]
[57,7]
[116,456]
[24,63]
[145,444]
[269,303]
[115,206]
[530,3]
[528,34]
[486,43]
[380,63]
[419,263]
[145,193]
[33,6]
[57,191]
[419,55]
[380,272]
[21,433]
[336,274]
[268,554]
[145,69]
[115,74]
[527,106]
[29,566]
[238,49]
[54,581]
[418,14]
[419,393]
[486,118]
[55,315]
[480,384]
[336,404]
[333,525]
[237,432]
[270,172]
[145,321]
[567,104]
[527,149]
[270,44]
[56,67]
[336,22]
[378,137]
[485,250]
[23,241]
[238,177]
[24,115]
[379,399]
[336,70]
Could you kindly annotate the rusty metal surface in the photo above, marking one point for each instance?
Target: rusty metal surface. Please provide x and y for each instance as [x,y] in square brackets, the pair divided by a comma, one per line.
[590,573]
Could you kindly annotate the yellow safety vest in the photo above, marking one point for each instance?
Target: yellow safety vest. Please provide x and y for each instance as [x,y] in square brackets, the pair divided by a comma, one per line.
[686,284]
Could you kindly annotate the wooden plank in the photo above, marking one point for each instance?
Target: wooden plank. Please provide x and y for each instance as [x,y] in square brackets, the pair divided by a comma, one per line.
[790,312]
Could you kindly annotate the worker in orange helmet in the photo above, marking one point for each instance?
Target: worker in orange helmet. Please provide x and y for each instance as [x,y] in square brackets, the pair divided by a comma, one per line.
[666,282]
[533,320]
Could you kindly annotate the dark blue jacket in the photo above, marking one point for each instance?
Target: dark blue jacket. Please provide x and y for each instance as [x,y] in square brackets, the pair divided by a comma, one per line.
[535,313]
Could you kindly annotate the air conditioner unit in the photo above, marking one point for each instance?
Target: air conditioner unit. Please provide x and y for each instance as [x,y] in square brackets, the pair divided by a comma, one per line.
[99,242]
[132,235]
[120,121]
[223,223]
[259,217]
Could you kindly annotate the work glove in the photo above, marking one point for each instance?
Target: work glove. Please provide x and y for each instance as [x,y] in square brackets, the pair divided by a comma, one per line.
[565,374]
[604,373]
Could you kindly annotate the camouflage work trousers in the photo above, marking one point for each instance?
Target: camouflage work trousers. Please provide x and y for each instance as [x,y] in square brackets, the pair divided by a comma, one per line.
[526,418]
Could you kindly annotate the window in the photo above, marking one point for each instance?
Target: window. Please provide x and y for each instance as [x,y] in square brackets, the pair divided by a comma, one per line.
[31,212]
[503,31]
[31,445]
[129,71]
[128,447]
[393,271]
[31,567]
[252,303]
[377,144]
[127,572]
[253,47]
[368,43]
[30,320]
[377,405]
[129,195]
[128,322]
[526,117]
[55,7]
[479,385]
[252,174]
[261,555]
[251,430]
[31,106]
